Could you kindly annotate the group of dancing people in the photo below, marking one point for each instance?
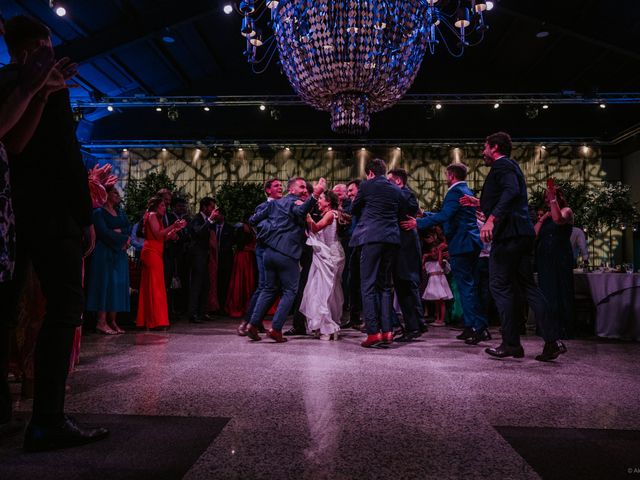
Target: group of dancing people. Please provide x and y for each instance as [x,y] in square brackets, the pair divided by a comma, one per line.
[385,244]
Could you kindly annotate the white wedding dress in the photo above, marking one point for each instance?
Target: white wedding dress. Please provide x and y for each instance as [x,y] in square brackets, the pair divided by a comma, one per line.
[322,298]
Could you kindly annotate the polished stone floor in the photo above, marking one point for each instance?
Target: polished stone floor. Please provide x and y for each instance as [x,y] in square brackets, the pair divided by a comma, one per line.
[314,409]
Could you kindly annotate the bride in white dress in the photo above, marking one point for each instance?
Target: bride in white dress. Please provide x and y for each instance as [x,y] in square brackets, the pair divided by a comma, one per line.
[322,299]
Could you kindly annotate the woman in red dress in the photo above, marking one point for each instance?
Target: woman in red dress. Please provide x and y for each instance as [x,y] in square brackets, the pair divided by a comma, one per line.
[243,275]
[152,305]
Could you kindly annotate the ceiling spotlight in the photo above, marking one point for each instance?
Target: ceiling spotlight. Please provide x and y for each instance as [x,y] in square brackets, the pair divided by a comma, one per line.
[164,149]
[287,149]
[124,150]
[585,149]
[496,106]
[363,149]
[329,149]
[543,147]
[398,149]
[158,109]
[490,5]
[438,106]
[603,105]
[240,149]
[545,107]
[228,9]
[110,108]
[173,114]
[263,108]
[206,109]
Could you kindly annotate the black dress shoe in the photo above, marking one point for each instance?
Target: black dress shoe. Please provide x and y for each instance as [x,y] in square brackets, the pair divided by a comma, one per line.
[551,351]
[562,347]
[344,326]
[503,351]
[466,333]
[357,325]
[293,331]
[479,336]
[65,434]
[408,336]
[424,328]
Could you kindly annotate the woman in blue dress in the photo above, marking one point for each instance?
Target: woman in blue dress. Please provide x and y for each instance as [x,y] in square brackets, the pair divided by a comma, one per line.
[108,275]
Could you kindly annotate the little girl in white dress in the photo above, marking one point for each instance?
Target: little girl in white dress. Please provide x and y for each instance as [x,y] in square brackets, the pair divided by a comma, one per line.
[437,289]
[322,298]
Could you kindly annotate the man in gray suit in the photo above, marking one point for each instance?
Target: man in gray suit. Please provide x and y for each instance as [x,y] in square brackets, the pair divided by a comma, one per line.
[282,226]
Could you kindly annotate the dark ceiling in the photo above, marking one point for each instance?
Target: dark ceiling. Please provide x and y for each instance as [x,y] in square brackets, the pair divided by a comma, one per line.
[593,48]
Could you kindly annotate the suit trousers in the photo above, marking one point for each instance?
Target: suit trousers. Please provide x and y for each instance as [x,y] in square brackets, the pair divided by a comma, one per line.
[59,270]
[299,320]
[198,285]
[281,272]
[463,269]
[261,283]
[510,278]
[376,280]
[408,292]
[355,292]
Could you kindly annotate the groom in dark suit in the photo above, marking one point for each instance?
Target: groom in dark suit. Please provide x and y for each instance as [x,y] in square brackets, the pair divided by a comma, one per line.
[282,226]
[377,206]
[463,237]
[406,268]
[510,229]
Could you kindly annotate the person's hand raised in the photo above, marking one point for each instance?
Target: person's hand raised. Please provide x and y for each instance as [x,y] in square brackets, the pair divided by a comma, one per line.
[62,71]
[469,201]
[320,187]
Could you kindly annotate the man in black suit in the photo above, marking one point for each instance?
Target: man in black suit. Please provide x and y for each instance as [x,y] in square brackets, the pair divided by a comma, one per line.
[225,236]
[509,227]
[282,226]
[377,207]
[406,268]
[200,229]
[46,164]
[353,260]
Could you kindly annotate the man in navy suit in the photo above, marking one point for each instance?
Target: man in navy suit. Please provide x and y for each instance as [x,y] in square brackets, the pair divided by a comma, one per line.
[461,229]
[282,226]
[406,268]
[509,228]
[377,206]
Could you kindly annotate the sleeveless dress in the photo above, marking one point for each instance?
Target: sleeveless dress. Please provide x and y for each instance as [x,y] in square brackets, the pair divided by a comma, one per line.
[243,278]
[437,285]
[322,299]
[152,305]
[554,261]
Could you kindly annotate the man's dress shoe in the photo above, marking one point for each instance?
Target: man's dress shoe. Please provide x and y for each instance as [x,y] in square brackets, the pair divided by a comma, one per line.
[65,434]
[252,333]
[372,340]
[503,351]
[387,338]
[479,336]
[551,351]
[276,335]
[408,336]
[466,333]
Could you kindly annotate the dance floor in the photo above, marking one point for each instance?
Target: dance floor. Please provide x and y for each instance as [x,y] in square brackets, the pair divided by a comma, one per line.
[312,409]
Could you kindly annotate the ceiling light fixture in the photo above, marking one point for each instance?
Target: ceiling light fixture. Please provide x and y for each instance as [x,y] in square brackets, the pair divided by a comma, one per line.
[206,109]
[496,106]
[385,43]
[545,107]
[438,106]
[57,8]
[490,5]
[158,109]
[263,108]
[110,108]
[603,105]
[228,9]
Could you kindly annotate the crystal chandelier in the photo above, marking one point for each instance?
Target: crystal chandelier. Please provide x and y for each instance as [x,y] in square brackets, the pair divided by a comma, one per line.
[352,58]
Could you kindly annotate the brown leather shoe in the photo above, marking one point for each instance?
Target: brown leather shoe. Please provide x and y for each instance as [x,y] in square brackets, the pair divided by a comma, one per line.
[276,335]
[242,329]
[252,333]
[387,338]
[372,340]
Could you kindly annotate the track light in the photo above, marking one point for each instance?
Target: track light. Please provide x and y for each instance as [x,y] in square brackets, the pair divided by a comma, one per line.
[110,108]
[206,109]
[173,114]
[603,105]
[263,108]
[438,106]
[228,9]
[496,106]
[57,8]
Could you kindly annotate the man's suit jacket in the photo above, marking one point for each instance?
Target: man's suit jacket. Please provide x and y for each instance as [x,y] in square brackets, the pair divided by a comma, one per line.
[504,195]
[459,223]
[282,224]
[199,231]
[377,207]
[407,265]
